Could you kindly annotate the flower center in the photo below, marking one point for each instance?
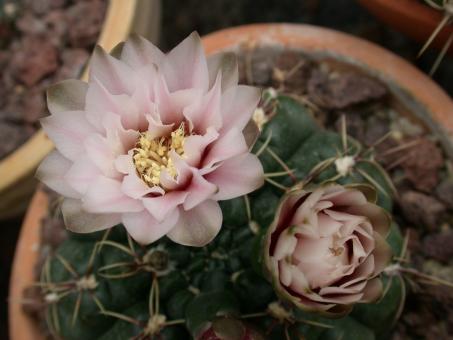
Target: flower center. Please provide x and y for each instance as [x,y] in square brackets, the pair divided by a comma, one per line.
[152,155]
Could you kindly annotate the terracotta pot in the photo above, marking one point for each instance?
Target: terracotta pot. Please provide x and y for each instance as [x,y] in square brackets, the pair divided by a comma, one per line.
[17,170]
[411,89]
[411,17]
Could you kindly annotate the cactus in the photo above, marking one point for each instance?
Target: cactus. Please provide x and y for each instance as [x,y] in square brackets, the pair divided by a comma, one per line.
[106,286]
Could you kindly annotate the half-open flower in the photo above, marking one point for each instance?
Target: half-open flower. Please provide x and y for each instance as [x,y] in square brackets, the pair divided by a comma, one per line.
[152,141]
[326,248]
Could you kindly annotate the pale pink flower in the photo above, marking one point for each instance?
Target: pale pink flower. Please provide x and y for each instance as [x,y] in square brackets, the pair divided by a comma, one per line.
[326,248]
[152,141]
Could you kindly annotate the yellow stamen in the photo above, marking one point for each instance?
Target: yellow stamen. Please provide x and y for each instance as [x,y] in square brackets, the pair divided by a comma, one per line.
[151,156]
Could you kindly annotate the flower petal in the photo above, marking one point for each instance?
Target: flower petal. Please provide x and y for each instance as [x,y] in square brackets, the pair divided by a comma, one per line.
[99,152]
[372,291]
[198,191]
[82,173]
[238,105]
[185,66]
[206,112]
[195,146]
[105,196]
[226,63]
[68,130]
[162,206]
[52,172]
[145,229]
[68,95]
[237,176]
[382,253]
[229,145]
[111,72]
[134,187]
[80,221]
[138,52]
[198,226]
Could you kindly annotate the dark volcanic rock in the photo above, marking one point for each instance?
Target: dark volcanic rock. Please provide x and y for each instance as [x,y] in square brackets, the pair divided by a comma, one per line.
[422,210]
[343,90]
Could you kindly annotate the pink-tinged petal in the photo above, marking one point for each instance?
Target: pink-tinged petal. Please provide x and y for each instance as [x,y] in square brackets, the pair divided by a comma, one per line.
[238,105]
[99,102]
[339,298]
[134,187]
[229,145]
[68,95]
[99,152]
[206,112]
[226,63]
[185,66]
[145,229]
[378,217]
[171,105]
[237,176]
[285,273]
[346,198]
[183,170]
[382,253]
[199,226]
[299,282]
[195,146]
[156,128]
[198,191]
[162,206]
[118,139]
[373,291]
[114,74]
[124,163]
[80,221]
[363,272]
[138,52]
[52,172]
[105,196]
[327,225]
[286,244]
[81,174]
[68,130]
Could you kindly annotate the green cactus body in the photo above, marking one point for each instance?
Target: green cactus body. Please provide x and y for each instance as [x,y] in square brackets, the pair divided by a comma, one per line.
[108,287]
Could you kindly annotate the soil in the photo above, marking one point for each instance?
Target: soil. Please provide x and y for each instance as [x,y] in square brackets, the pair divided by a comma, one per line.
[42,42]
[415,161]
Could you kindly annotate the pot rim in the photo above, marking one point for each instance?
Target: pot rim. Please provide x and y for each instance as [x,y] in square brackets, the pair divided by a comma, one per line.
[315,40]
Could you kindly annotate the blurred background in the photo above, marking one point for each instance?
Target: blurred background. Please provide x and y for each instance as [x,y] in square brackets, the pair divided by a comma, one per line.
[43,41]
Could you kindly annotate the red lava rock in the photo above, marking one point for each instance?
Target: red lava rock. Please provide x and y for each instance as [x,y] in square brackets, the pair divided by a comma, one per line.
[73,61]
[26,105]
[30,24]
[445,192]
[34,59]
[84,33]
[43,6]
[343,90]
[12,137]
[56,26]
[422,210]
[422,164]
[34,106]
[413,244]
[439,246]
